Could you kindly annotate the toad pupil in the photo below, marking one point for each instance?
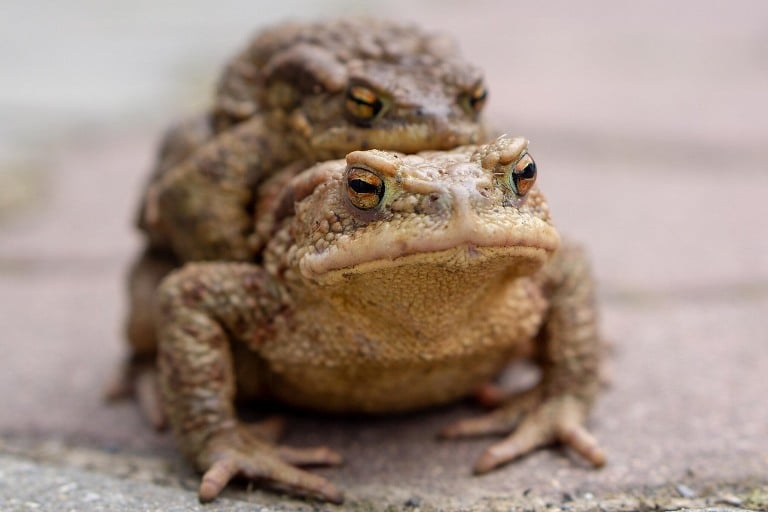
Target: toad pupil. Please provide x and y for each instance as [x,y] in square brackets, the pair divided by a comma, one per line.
[477,100]
[363,103]
[522,180]
[363,187]
[528,172]
[374,105]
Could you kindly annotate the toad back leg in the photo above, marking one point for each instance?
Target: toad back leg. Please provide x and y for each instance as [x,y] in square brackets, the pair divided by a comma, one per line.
[555,410]
[137,374]
[204,309]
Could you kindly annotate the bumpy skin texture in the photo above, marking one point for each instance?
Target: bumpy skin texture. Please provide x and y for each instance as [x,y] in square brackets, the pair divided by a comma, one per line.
[299,93]
[451,269]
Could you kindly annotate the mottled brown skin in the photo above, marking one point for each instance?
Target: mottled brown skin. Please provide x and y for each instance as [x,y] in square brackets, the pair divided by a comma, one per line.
[289,99]
[427,292]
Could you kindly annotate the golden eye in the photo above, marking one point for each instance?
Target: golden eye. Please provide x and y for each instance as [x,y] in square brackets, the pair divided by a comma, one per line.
[523,175]
[363,104]
[474,100]
[365,189]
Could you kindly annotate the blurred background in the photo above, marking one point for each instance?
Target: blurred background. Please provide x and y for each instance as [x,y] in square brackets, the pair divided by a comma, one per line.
[648,120]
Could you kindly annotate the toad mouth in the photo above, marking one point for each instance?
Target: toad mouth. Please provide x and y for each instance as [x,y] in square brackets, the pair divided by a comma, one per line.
[340,260]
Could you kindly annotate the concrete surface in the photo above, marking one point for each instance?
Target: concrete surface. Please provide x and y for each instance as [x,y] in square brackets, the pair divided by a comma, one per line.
[648,124]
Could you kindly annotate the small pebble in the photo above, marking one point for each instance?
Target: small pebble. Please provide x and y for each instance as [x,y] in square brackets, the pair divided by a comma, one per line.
[685,491]
[730,499]
[91,497]
[64,489]
[412,503]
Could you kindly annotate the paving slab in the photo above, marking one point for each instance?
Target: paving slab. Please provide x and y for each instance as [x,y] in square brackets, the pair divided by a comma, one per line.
[26,485]
[654,160]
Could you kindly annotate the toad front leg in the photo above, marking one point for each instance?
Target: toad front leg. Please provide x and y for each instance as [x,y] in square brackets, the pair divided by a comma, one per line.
[201,207]
[555,410]
[203,309]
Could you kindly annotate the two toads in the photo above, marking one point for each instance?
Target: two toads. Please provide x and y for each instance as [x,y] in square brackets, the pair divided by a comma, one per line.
[407,274]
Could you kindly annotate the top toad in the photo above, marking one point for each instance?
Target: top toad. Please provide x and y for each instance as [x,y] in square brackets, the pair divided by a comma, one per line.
[303,93]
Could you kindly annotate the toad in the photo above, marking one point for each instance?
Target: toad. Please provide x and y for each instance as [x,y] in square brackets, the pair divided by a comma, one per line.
[389,282]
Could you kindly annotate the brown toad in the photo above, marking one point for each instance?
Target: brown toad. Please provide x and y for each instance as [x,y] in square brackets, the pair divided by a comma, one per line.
[299,93]
[347,312]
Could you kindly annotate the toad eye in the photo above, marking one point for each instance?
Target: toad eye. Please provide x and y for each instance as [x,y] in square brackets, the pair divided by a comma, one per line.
[474,100]
[523,175]
[365,189]
[364,105]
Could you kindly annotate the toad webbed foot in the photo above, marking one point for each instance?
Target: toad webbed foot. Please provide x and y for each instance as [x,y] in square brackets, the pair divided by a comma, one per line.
[238,451]
[536,419]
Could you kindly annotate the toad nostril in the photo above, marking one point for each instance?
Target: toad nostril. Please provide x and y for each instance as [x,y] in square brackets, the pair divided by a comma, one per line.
[484,187]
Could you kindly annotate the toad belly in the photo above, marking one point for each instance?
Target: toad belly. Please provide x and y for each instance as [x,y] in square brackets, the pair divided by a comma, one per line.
[359,365]
[377,389]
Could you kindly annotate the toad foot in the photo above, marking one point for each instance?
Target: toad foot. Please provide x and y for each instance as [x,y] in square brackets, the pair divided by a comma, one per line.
[237,452]
[537,421]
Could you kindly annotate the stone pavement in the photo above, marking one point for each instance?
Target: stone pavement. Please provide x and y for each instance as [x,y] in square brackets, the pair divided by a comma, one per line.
[648,124]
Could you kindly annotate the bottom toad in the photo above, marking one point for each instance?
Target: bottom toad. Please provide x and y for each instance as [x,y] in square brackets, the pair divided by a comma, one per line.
[389,283]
